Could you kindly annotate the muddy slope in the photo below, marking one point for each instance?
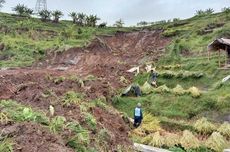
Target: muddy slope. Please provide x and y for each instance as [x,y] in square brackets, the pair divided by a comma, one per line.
[107,58]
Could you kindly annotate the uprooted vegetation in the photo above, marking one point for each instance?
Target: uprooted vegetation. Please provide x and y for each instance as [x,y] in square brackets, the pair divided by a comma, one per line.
[65,94]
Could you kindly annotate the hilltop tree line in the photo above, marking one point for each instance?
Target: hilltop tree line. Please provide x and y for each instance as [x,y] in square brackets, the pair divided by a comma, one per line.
[198,13]
[79,19]
[47,15]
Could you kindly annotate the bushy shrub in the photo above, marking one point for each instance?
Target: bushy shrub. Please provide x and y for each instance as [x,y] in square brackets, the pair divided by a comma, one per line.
[147,139]
[157,140]
[57,124]
[172,140]
[203,126]
[139,132]
[178,90]
[187,74]
[224,129]
[150,124]
[194,92]
[90,120]
[162,89]
[226,10]
[168,74]
[72,97]
[80,141]
[171,33]
[181,74]
[189,141]
[216,142]
[146,88]
[168,67]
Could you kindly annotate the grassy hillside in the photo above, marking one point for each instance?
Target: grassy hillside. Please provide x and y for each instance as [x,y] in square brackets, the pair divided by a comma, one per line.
[185,64]
[27,39]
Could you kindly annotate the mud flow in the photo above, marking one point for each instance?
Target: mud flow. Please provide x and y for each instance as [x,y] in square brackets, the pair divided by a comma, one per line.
[106,59]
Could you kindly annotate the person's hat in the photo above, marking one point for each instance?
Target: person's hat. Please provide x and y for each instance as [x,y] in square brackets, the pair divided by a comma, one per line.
[139,105]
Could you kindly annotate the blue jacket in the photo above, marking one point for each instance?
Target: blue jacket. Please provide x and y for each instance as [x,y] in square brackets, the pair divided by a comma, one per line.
[138,113]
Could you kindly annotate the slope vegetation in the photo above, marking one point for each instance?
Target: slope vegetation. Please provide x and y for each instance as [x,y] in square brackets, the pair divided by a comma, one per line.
[62,99]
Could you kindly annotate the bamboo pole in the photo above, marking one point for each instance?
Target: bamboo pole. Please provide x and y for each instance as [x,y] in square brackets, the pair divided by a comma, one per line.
[219,58]
[226,59]
[208,54]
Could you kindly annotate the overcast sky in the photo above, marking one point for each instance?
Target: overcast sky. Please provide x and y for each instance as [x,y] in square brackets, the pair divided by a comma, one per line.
[131,11]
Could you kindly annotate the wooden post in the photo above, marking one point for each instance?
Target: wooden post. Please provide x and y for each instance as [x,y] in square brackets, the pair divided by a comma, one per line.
[226,59]
[219,58]
[208,55]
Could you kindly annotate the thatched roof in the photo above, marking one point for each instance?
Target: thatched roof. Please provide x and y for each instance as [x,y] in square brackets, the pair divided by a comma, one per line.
[219,44]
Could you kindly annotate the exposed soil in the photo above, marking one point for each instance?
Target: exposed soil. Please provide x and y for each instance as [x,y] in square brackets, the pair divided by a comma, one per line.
[31,137]
[107,58]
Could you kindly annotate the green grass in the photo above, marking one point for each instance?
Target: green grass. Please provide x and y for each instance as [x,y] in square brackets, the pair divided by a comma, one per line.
[213,101]
[28,39]
[19,113]
[6,145]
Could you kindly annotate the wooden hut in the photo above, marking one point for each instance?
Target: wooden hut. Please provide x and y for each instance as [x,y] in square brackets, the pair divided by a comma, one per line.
[220,45]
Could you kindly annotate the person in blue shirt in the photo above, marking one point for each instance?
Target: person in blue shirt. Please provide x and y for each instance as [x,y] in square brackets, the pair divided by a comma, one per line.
[138,116]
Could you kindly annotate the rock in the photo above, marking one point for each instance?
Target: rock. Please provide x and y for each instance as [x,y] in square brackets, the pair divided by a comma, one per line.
[71,62]
[62,68]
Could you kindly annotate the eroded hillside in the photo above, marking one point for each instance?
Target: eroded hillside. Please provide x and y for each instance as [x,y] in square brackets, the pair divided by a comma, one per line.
[78,84]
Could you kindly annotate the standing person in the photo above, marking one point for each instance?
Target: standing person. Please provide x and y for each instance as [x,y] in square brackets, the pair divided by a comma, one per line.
[153,77]
[138,116]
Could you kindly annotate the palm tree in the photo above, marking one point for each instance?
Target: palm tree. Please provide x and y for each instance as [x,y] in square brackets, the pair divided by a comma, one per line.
[209,11]
[73,15]
[91,20]
[57,15]
[19,9]
[199,13]
[2,2]
[23,10]
[81,17]
[119,23]
[28,12]
[226,10]
[45,15]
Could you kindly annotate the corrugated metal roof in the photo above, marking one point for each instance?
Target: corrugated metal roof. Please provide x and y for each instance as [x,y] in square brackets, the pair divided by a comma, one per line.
[224,41]
[219,44]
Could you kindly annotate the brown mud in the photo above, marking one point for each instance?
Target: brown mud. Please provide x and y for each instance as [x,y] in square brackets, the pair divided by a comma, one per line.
[107,58]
